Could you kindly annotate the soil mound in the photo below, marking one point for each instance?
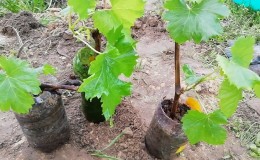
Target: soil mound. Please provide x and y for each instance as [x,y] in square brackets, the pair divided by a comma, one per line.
[23,22]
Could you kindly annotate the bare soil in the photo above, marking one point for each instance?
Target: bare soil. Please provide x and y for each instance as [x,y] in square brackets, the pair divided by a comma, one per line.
[152,81]
[22,22]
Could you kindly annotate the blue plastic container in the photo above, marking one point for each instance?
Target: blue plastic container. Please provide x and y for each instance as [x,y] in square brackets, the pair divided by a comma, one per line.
[254,4]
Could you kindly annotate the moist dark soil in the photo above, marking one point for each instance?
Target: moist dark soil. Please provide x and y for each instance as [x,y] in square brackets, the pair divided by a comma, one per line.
[181,110]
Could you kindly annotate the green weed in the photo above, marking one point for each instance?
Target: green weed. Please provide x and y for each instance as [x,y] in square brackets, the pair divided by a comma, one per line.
[16,6]
[33,5]
[100,154]
[47,20]
[11,5]
[242,22]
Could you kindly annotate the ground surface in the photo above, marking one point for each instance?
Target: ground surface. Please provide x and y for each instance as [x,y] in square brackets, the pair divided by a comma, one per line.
[152,81]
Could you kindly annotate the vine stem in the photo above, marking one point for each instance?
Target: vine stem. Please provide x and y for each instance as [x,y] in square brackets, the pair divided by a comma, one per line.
[97,38]
[199,82]
[45,86]
[77,34]
[178,90]
[86,43]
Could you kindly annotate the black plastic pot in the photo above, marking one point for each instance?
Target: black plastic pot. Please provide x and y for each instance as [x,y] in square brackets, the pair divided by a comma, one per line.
[46,126]
[164,135]
[92,109]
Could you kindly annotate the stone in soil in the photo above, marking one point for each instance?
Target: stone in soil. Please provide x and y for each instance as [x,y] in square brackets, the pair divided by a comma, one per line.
[254,104]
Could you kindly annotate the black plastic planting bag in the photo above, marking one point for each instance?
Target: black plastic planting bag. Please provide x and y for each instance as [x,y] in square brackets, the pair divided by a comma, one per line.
[46,126]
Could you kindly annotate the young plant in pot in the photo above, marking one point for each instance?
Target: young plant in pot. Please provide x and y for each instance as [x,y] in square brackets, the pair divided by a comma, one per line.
[171,126]
[40,113]
[101,68]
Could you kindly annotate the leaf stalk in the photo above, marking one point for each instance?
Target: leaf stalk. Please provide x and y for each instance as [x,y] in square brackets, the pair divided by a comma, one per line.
[86,43]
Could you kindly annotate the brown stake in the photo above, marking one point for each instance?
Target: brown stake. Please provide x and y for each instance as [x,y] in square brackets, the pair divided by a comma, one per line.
[45,86]
[177,81]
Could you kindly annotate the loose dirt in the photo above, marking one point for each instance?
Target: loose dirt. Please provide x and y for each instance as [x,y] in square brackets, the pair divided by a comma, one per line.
[153,80]
[23,22]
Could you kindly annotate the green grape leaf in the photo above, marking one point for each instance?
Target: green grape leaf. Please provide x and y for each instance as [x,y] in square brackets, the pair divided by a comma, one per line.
[237,75]
[190,76]
[198,22]
[199,126]
[108,87]
[104,81]
[48,69]
[121,41]
[122,13]
[125,58]
[17,84]
[115,35]
[116,92]
[123,63]
[229,96]
[243,50]
[188,70]
[82,7]
[257,89]
[116,62]
[194,1]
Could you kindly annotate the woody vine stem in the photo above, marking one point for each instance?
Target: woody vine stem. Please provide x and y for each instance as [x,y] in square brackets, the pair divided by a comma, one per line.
[178,90]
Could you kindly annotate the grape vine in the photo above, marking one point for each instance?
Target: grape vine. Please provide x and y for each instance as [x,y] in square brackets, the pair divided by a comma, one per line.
[199,20]
[119,56]
[18,83]
[237,78]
